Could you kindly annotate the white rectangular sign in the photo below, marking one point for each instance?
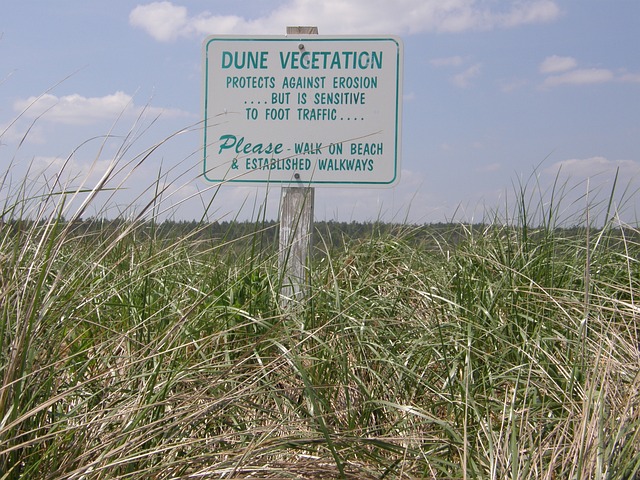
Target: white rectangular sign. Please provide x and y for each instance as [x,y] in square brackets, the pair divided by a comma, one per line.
[302,109]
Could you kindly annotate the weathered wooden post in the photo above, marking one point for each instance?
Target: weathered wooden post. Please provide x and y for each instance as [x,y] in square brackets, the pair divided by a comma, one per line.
[296,228]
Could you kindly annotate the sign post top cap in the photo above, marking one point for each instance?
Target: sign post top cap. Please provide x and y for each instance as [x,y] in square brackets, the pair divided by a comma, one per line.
[302,30]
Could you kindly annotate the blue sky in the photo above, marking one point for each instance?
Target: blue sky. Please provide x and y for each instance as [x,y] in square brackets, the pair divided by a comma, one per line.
[498,94]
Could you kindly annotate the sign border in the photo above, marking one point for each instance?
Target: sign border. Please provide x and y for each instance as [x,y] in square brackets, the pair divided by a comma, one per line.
[315,39]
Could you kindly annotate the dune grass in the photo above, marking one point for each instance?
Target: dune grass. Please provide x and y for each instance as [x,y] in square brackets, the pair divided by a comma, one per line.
[509,352]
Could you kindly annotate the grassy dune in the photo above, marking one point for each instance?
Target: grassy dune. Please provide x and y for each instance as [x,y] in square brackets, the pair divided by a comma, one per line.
[509,352]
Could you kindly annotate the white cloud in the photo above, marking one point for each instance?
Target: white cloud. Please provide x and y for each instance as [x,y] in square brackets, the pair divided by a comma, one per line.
[524,13]
[14,132]
[556,64]
[594,166]
[583,76]
[630,77]
[79,110]
[456,61]
[567,73]
[405,202]
[463,79]
[166,21]
[508,86]
[162,20]
[71,171]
